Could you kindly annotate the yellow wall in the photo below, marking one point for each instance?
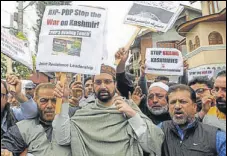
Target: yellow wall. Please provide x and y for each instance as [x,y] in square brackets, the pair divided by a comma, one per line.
[205,8]
[222,5]
[203,30]
[208,27]
[191,36]
[207,57]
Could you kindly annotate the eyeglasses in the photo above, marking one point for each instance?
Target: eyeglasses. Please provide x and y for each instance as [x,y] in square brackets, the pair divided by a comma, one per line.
[201,90]
[3,95]
[217,89]
[159,96]
[106,82]
[28,88]
[46,100]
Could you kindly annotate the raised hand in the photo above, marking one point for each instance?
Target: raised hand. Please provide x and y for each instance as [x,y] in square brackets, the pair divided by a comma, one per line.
[137,95]
[5,152]
[14,80]
[124,107]
[122,55]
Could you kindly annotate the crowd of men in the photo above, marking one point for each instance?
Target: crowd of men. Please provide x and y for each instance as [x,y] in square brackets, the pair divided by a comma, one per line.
[109,116]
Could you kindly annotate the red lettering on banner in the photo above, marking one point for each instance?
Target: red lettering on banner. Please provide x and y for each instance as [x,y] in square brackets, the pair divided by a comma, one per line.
[173,53]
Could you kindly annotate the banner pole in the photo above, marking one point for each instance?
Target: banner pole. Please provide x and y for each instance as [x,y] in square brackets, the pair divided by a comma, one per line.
[62,77]
[127,47]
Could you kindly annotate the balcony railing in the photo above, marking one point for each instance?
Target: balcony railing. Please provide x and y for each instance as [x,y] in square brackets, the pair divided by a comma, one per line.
[205,48]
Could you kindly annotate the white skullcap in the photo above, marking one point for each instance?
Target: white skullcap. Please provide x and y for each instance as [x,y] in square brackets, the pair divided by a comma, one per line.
[161,85]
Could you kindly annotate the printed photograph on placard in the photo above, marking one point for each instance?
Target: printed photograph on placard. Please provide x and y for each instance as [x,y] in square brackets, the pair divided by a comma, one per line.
[67,45]
[156,14]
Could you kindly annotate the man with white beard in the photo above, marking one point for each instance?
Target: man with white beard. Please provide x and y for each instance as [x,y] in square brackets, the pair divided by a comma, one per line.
[157,104]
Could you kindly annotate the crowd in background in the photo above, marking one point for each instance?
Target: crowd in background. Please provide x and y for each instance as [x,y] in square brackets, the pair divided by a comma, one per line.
[107,115]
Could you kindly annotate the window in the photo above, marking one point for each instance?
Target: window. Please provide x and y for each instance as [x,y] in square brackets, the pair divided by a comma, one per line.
[215,38]
[166,45]
[213,7]
[190,46]
[197,42]
[138,73]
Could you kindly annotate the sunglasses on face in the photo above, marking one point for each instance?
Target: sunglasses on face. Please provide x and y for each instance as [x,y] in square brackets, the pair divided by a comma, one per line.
[46,100]
[106,82]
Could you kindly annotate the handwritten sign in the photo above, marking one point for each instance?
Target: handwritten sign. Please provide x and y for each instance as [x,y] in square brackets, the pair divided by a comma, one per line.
[164,61]
[209,73]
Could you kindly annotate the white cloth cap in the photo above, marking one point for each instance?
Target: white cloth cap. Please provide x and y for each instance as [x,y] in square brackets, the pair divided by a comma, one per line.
[161,85]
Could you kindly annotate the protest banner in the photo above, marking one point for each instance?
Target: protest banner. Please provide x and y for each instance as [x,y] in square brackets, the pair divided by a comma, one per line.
[154,15]
[209,73]
[15,48]
[158,15]
[71,39]
[164,61]
[69,36]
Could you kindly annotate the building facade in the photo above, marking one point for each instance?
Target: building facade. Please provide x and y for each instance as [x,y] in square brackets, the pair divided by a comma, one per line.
[170,39]
[206,37]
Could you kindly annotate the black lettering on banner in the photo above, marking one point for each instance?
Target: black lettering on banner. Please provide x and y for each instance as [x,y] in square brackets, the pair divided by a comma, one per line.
[67,12]
[64,23]
[81,13]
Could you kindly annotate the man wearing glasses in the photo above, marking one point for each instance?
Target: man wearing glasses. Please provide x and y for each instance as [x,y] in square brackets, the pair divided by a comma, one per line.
[157,104]
[218,117]
[36,135]
[206,97]
[111,125]
[184,135]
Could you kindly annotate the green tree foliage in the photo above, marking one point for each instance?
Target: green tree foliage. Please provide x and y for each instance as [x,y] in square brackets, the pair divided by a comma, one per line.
[21,70]
[18,68]
[3,66]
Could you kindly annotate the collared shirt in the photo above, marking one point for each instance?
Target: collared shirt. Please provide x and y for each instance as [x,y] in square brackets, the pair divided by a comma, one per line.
[181,132]
[220,138]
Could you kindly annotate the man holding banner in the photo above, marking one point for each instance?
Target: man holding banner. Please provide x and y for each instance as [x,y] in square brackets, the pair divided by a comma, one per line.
[10,116]
[100,128]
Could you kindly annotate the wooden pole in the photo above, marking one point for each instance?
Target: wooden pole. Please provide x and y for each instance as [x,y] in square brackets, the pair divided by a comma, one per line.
[127,47]
[62,77]
[79,77]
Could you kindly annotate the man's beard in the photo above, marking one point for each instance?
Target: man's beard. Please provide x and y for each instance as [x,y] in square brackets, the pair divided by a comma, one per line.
[184,120]
[221,105]
[160,111]
[104,95]
[199,104]
[29,96]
